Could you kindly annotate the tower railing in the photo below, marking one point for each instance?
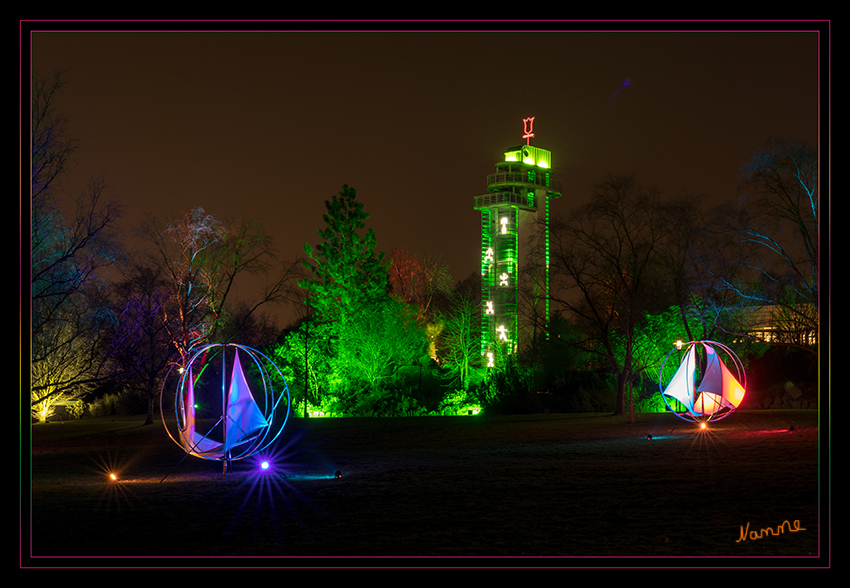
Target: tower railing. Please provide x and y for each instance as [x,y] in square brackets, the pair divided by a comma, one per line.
[495,198]
[538,179]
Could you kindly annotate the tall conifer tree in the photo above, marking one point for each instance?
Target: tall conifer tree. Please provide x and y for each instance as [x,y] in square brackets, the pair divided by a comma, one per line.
[347,273]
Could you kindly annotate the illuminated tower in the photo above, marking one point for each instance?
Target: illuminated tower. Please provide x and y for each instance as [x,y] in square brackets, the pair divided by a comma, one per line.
[515,210]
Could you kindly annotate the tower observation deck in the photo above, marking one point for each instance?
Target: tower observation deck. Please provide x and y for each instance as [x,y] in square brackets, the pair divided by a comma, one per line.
[515,227]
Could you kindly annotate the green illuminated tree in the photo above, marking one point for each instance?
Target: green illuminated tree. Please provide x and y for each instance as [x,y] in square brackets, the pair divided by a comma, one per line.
[378,341]
[349,290]
[347,274]
[355,369]
[459,348]
[305,354]
[655,336]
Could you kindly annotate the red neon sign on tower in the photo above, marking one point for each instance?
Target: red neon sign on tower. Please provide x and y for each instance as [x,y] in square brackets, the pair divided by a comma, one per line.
[527,128]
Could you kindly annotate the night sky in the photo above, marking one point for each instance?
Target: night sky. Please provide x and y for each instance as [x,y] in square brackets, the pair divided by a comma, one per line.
[269,125]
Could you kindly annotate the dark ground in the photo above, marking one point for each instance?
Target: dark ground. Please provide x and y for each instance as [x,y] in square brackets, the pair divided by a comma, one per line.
[538,490]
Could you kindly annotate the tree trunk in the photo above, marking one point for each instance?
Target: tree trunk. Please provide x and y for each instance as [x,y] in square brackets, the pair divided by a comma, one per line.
[620,406]
[151,394]
[149,419]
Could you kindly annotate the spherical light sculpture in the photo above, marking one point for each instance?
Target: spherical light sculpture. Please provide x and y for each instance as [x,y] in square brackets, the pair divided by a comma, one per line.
[224,410]
[704,386]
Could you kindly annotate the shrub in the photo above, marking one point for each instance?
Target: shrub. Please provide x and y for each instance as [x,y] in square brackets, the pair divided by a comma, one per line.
[77,409]
[508,390]
[459,402]
[118,403]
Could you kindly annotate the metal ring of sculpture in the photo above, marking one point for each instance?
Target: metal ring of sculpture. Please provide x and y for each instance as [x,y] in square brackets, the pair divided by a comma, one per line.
[245,423]
[703,387]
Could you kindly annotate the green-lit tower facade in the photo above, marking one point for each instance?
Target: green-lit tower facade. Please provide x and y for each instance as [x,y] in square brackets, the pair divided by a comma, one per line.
[514,214]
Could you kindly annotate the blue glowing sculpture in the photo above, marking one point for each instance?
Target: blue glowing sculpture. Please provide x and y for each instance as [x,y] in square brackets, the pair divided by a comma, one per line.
[218,415]
[703,387]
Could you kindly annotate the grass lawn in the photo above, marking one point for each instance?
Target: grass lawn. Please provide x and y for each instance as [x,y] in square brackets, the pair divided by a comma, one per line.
[535,490]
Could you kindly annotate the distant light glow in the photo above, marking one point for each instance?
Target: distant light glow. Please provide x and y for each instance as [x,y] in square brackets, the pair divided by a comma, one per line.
[625,84]
[264,465]
[490,361]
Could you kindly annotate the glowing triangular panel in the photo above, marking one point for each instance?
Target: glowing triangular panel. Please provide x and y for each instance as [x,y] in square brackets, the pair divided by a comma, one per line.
[203,445]
[681,386]
[187,431]
[733,391]
[708,403]
[712,378]
[243,415]
[719,381]
[192,441]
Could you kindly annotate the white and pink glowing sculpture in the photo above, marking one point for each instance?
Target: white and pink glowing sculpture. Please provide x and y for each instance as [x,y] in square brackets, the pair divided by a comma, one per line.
[704,388]
[231,421]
